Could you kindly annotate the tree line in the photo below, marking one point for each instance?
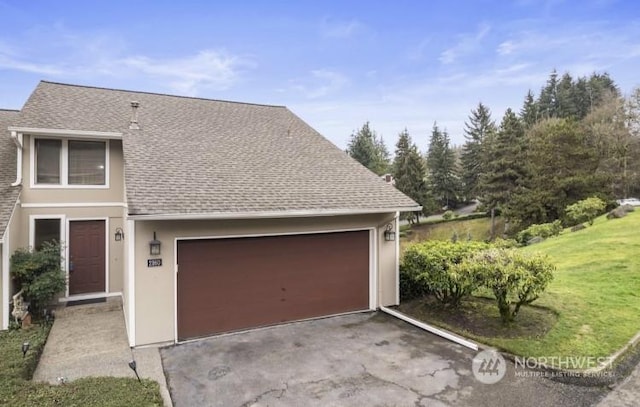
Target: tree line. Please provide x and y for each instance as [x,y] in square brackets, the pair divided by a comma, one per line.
[578,137]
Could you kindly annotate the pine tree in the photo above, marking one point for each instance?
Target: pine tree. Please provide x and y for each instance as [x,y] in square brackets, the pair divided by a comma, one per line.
[548,99]
[477,130]
[529,112]
[409,171]
[369,150]
[506,173]
[441,164]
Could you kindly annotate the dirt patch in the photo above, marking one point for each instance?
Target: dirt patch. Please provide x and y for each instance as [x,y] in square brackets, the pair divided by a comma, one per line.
[480,318]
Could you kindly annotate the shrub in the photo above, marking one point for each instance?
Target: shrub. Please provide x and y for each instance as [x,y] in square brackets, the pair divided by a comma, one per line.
[38,274]
[585,210]
[447,215]
[410,287]
[515,278]
[434,265]
[543,230]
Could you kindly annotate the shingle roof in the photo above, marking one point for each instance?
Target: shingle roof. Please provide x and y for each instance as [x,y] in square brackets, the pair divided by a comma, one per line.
[8,194]
[202,156]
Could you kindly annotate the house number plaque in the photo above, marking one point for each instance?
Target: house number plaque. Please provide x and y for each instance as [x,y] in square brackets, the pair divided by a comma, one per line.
[154,262]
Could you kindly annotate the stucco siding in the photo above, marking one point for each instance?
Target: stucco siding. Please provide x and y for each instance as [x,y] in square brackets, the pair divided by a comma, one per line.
[155,286]
[11,237]
[113,194]
[112,215]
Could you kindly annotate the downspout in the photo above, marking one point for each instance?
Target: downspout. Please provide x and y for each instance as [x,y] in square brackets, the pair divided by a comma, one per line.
[17,140]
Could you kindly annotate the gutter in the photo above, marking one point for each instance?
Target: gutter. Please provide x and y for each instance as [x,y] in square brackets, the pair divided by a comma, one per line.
[430,328]
[17,140]
[272,214]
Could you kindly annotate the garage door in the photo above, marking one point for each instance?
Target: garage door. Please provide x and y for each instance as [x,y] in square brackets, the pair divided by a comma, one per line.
[232,284]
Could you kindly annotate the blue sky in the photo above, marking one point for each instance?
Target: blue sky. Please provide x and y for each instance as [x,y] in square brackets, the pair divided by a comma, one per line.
[336,64]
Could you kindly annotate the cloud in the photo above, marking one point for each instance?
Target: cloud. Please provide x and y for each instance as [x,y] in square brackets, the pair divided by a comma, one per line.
[209,69]
[467,44]
[340,29]
[72,56]
[323,82]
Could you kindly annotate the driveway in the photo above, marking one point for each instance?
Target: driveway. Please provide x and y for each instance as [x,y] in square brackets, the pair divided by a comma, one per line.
[368,359]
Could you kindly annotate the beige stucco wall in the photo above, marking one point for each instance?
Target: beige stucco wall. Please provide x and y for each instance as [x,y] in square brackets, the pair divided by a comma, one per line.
[115,192]
[113,216]
[68,203]
[154,287]
[12,235]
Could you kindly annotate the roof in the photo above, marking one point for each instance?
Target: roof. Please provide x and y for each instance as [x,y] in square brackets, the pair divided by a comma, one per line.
[8,194]
[195,156]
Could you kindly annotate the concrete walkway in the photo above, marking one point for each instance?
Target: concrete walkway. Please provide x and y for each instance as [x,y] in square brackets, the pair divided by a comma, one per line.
[91,340]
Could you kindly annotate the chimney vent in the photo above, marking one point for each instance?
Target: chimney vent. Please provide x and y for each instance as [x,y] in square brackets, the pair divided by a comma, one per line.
[133,125]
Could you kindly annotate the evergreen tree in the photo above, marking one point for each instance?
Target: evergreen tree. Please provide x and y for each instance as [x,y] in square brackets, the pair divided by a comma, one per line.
[473,159]
[409,171]
[529,111]
[506,172]
[548,99]
[441,164]
[369,150]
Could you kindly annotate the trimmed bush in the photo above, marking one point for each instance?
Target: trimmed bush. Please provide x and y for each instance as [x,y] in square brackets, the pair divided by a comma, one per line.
[514,277]
[447,215]
[585,210]
[543,230]
[39,274]
[434,265]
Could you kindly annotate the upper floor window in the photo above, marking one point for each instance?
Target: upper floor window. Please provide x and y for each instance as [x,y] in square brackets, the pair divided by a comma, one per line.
[70,162]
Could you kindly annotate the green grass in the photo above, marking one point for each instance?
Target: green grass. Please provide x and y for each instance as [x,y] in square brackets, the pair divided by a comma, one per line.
[595,292]
[17,390]
[477,229]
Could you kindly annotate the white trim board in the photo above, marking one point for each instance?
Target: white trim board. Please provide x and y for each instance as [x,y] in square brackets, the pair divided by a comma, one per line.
[373,264]
[273,214]
[74,205]
[90,296]
[131,283]
[38,131]
[4,258]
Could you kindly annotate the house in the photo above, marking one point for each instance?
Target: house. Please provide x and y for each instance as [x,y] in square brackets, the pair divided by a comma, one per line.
[204,216]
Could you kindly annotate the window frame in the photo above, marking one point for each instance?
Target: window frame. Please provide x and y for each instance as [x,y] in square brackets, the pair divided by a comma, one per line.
[64,164]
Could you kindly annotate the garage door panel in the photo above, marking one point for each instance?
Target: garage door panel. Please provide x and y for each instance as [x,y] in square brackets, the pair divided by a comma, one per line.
[231,284]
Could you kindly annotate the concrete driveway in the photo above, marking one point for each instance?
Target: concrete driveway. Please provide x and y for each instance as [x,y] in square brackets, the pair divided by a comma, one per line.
[368,359]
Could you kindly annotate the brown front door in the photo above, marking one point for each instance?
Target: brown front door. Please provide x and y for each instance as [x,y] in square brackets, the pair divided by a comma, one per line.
[86,256]
[231,284]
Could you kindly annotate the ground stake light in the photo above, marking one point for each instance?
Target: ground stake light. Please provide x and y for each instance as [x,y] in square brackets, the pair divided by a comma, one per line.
[134,367]
[25,349]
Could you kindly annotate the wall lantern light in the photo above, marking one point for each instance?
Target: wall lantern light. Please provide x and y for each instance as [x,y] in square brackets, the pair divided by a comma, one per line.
[389,234]
[154,246]
[119,234]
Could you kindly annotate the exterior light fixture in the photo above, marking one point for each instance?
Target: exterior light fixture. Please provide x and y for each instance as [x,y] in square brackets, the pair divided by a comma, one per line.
[25,348]
[154,246]
[133,366]
[389,234]
[119,234]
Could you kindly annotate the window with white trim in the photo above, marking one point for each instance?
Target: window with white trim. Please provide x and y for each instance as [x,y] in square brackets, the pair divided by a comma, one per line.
[45,230]
[70,162]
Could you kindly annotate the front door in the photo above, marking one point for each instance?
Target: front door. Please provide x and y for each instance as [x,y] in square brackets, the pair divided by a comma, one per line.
[86,256]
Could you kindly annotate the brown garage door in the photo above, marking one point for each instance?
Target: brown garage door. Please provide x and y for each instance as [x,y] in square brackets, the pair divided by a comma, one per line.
[231,284]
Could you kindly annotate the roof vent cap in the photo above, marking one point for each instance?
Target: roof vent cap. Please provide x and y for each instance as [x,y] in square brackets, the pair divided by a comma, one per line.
[133,125]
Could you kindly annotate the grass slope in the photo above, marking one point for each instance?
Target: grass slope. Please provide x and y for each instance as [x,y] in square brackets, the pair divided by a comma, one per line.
[596,290]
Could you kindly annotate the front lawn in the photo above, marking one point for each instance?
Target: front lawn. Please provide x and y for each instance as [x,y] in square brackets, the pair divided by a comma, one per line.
[17,390]
[594,297]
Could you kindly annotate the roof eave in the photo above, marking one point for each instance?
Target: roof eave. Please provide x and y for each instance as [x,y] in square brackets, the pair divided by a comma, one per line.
[273,214]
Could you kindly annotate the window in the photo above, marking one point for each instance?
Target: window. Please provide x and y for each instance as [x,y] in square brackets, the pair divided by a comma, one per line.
[86,162]
[70,163]
[48,161]
[45,230]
